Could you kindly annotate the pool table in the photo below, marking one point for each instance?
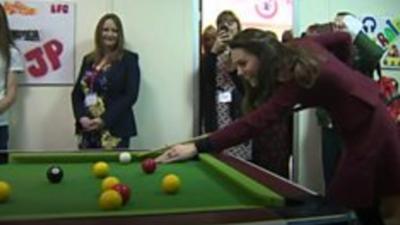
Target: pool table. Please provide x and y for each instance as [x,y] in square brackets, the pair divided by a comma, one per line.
[216,189]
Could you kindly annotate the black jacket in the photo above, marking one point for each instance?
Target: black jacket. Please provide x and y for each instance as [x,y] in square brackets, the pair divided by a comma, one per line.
[122,88]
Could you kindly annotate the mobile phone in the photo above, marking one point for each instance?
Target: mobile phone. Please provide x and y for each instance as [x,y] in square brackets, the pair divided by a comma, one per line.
[224,28]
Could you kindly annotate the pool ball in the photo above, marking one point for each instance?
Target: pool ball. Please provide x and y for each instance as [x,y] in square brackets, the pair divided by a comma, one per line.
[125,157]
[109,182]
[124,191]
[171,184]
[110,199]
[149,165]
[101,169]
[5,191]
[54,174]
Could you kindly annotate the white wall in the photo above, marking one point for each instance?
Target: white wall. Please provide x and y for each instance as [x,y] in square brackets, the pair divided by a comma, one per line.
[163,34]
[308,145]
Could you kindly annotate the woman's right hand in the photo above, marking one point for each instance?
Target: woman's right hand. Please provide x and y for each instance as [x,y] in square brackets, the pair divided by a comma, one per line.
[178,153]
[220,43]
[86,123]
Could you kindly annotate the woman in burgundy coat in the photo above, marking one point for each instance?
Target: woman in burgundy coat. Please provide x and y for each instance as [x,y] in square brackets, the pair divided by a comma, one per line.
[312,72]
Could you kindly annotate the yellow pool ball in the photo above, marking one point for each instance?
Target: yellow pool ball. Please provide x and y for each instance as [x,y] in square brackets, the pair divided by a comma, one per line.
[101,169]
[109,182]
[5,191]
[110,199]
[171,184]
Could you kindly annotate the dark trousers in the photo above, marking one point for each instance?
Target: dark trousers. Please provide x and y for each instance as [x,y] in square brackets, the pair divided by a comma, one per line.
[331,149]
[370,216]
[3,144]
[124,143]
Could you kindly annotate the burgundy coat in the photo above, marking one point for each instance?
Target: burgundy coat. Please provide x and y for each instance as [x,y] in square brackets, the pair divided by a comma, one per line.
[370,164]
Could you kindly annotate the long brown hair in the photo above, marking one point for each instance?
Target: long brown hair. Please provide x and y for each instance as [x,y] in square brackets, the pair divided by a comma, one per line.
[208,38]
[6,40]
[278,63]
[99,51]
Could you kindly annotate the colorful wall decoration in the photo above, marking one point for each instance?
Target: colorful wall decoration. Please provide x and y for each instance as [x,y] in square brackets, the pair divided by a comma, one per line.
[386,32]
[44,32]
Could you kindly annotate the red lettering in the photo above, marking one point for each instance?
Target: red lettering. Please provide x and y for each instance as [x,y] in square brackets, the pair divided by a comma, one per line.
[382,40]
[53,51]
[53,8]
[36,54]
[65,9]
[59,8]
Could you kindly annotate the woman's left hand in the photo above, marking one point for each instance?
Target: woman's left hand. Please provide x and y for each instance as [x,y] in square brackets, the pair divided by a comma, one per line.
[96,124]
[178,153]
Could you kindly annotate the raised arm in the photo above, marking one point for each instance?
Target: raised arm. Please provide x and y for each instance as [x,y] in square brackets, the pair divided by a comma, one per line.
[254,123]
[338,43]
[241,130]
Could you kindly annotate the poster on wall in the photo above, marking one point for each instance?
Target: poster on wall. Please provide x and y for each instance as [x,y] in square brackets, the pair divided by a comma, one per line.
[44,33]
[274,15]
[386,32]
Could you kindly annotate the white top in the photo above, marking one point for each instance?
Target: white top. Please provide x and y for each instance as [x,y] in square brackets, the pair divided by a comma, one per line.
[16,66]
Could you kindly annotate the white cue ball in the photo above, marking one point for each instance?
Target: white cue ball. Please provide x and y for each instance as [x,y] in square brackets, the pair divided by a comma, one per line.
[125,157]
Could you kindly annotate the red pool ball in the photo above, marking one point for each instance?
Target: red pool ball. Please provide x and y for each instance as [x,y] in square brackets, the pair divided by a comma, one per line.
[149,165]
[124,191]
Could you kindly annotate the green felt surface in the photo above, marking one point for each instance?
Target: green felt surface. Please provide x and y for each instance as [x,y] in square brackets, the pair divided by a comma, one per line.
[207,185]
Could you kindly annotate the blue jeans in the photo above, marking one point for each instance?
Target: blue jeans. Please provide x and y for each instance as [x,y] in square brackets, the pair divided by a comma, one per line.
[3,144]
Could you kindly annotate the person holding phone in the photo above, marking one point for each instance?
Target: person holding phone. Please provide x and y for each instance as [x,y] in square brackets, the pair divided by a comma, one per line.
[222,102]
[220,94]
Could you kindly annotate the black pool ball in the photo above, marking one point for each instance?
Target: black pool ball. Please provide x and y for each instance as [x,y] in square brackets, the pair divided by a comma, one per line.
[55,174]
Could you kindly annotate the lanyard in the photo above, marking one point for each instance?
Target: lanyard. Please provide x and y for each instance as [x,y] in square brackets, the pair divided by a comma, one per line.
[91,78]
[95,72]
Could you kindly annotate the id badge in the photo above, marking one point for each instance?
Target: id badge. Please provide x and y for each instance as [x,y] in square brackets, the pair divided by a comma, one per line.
[90,99]
[224,97]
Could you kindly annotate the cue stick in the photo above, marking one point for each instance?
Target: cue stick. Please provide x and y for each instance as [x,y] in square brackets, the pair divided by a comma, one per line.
[166,147]
[159,149]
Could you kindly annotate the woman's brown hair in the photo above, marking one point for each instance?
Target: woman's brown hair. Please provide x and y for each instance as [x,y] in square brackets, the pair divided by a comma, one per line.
[228,15]
[6,40]
[99,51]
[278,63]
